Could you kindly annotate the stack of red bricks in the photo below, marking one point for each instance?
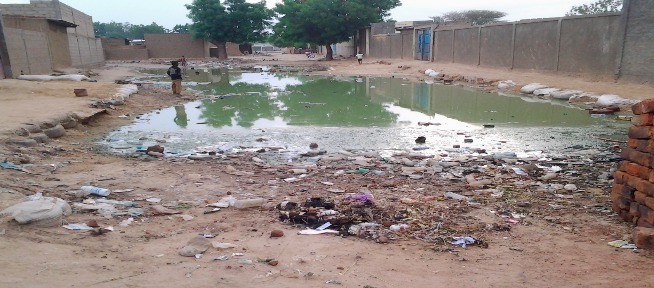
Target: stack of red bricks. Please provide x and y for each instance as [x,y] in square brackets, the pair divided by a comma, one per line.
[632,195]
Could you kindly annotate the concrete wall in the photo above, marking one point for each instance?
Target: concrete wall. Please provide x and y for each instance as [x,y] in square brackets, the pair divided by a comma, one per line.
[86,50]
[579,44]
[636,62]
[382,28]
[466,46]
[536,45]
[174,45]
[589,44]
[35,45]
[496,46]
[126,53]
[408,46]
[396,45]
[76,47]
[443,50]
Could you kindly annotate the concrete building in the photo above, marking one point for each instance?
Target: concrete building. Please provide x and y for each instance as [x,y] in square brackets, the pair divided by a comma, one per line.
[164,45]
[44,35]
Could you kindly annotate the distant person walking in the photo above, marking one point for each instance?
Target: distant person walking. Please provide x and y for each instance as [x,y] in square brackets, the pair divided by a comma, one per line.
[175,74]
[359,57]
[183,61]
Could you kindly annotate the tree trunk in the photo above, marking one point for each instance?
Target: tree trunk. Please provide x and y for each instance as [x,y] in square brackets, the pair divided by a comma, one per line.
[330,53]
[222,50]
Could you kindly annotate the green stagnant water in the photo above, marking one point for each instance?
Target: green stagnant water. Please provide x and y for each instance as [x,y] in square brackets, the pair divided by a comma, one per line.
[259,109]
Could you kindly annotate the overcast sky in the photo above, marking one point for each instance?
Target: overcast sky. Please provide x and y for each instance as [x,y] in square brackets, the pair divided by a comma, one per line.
[168,13]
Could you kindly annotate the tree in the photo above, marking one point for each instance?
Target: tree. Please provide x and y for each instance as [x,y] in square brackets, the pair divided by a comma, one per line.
[231,21]
[126,30]
[474,17]
[181,28]
[326,22]
[601,6]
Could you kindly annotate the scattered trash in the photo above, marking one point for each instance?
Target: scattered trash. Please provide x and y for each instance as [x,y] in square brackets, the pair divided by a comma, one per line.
[115,202]
[96,190]
[399,227]
[39,210]
[463,241]
[245,262]
[454,196]
[622,244]
[78,226]
[316,232]
[249,203]
[221,258]
[153,200]
[9,165]
[126,222]
[135,212]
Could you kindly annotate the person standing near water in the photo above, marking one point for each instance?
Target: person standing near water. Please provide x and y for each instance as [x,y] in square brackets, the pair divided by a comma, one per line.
[175,74]
[359,57]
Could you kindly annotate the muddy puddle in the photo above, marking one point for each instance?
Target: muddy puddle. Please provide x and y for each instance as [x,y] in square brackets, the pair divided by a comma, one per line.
[248,110]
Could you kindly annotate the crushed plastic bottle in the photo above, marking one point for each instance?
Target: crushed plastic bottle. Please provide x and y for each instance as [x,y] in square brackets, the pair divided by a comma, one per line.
[249,203]
[96,190]
[399,227]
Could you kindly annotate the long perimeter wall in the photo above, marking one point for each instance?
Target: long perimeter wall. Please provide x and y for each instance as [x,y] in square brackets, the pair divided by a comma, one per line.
[579,45]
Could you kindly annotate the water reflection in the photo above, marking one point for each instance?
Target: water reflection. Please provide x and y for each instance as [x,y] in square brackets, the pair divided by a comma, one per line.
[262,99]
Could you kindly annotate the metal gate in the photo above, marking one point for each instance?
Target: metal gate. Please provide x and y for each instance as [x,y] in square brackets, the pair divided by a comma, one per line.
[423,43]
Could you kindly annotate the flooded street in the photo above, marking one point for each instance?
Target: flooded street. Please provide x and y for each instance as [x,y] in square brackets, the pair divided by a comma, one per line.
[261,110]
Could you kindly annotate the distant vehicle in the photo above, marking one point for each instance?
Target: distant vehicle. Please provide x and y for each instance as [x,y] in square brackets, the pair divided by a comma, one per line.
[137,42]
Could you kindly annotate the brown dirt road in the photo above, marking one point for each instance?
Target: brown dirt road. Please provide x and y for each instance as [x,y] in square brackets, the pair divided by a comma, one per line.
[570,251]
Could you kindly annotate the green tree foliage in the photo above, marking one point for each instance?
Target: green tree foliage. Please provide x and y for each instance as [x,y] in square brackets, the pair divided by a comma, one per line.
[186,28]
[601,6]
[230,21]
[474,17]
[326,22]
[126,30]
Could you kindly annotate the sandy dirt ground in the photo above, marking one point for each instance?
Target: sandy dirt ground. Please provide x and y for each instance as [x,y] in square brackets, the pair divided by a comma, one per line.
[549,248]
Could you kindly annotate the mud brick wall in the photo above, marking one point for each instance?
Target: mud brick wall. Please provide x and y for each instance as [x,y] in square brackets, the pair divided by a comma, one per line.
[632,194]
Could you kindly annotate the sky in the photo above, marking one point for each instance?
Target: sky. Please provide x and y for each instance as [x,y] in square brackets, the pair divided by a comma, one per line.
[169,13]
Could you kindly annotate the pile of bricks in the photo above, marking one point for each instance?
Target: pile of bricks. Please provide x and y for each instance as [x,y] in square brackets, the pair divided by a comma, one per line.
[632,195]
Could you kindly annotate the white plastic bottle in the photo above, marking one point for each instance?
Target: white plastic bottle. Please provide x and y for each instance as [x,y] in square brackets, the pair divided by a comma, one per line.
[96,190]
[249,203]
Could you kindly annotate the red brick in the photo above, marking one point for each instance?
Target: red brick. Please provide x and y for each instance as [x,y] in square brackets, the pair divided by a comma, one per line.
[642,223]
[624,214]
[651,176]
[639,197]
[634,169]
[619,177]
[644,237]
[642,132]
[643,120]
[634,156]
[649,202]
[637,183]
[645,213]
[645,106]
[633,143]
[633,210]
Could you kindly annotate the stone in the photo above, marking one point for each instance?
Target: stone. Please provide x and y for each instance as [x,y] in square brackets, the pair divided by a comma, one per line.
[197,245]
[155,148]
[70,123]
[382,239]
[40,138]
[26,142]
[32,128]
[276,234]
[644,237]
[570,187]
[55,132]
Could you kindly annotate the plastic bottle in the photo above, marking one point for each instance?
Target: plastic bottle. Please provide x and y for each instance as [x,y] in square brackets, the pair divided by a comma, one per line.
[96,190]
[248,203]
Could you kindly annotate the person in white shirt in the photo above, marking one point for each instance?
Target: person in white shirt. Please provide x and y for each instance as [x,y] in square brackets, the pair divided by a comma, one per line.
[359,57]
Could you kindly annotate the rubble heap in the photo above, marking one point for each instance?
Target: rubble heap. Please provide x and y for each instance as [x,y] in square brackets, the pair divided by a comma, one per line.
[632,195]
